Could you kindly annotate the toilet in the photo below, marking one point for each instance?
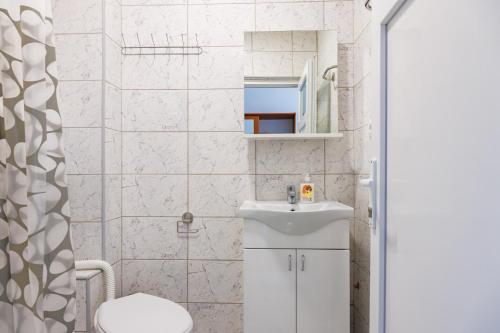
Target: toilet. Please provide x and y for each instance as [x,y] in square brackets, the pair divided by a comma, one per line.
[142,313]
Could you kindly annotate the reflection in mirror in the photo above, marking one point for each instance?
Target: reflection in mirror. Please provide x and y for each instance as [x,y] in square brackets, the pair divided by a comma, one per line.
[290,82]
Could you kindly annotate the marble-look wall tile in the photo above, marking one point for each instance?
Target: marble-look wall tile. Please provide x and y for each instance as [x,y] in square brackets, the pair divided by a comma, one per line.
[219,195]
[153,238]
[113,198]
[154,153]
[362,103]
[273,187]
[80,103]
[83,16]
[299,61]
[117,268]
[289,16]
[113,22]
[146,20]
[112,153]
[346,65]
[362,295]
[362,138]
[276,41]
[79,57]
[143,276]
[96,293]
[220,25]
[272,63]
[248,65]
[113,240]
[346,109]
[113,69]
[150,72]
[339,16]
[85,196]
[362,55]
[154,110]
[304,41]
[153,2]
[220,153]
[339,154]
[217,238]
[361,325]
[87,240]
[216,318]
[290,157]
[340,188]
[217,67]
[218,2]
[216,110]
[215,281]
[361,17]
[362,237]
[83,150]
[113,106]
[154,195]
[81,313]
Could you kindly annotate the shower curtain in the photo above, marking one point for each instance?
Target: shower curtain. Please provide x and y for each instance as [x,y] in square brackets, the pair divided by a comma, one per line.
[37,275]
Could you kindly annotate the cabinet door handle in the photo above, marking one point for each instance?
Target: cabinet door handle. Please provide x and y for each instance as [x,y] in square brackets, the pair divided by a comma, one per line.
[290,262]
[303,263]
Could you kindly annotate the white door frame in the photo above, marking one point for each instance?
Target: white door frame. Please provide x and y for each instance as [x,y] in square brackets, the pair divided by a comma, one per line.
[383,12]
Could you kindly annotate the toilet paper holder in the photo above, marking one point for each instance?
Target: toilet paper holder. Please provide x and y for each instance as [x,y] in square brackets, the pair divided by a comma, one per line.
[186,222]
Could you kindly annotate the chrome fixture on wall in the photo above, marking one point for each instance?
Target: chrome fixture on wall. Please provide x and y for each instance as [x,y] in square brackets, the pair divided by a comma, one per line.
[327,70]
[164,48]
[187,220]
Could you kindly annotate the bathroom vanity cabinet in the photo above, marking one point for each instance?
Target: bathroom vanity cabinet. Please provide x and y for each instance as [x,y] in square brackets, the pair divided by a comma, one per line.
[296,267]
[296,290]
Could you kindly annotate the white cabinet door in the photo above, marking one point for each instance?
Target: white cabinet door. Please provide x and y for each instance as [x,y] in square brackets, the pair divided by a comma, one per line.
[270,295]
[323,291]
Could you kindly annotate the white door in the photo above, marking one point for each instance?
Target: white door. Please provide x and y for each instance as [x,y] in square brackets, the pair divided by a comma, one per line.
[443,167]
[323,291]
[270,295]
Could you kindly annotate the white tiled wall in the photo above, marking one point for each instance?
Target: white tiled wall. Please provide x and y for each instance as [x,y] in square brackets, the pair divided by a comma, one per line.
[172,127]
[89,63]
[278,53]
[183,150]
[362,137]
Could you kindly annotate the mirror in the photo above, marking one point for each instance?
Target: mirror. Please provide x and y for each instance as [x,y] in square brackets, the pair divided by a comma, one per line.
[291,82]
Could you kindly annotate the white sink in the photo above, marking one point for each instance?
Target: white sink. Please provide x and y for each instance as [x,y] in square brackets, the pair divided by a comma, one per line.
[295,219]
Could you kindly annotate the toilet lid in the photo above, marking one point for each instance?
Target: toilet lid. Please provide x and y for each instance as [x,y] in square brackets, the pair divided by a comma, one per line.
[143,313]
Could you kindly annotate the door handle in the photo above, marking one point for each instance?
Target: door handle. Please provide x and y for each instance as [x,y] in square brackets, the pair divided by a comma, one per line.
[371,183]
[290,262]
[303,263]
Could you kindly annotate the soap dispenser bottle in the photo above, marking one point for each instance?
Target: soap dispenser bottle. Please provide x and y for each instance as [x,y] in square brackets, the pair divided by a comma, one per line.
[307,190]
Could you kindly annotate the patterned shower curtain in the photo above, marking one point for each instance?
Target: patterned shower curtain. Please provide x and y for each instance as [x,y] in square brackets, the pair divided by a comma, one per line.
[37,275]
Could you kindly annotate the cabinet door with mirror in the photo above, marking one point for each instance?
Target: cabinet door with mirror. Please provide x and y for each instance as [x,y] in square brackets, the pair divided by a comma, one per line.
[291,82]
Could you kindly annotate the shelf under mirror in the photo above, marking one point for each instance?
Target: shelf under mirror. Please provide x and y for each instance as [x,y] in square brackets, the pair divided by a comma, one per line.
[294,136]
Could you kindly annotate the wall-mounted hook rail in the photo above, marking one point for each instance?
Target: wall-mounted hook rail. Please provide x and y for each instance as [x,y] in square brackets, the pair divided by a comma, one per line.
[158,49]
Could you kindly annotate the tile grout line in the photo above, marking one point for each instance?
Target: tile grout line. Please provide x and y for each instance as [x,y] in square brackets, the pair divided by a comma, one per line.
[103,133]
[187,151]
[121,155]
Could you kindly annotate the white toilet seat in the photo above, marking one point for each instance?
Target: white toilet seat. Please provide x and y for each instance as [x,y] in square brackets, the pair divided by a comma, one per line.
[142,313]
